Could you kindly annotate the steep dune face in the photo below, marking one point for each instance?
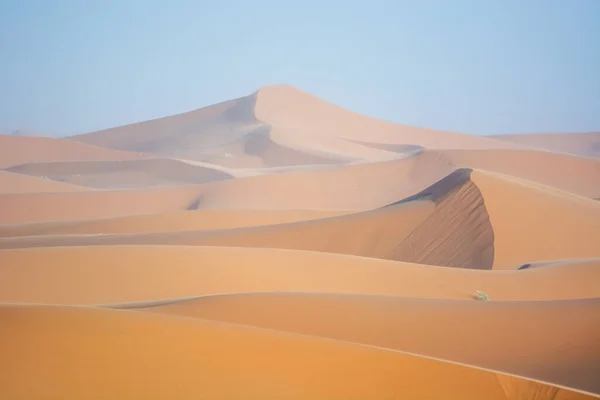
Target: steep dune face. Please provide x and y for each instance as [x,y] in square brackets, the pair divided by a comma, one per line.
[18,183]
[118,274]
[446,225]
[16,150]
[213,360]
[474,332]
[533,222]
[581,144]
[129,173]
[458,233]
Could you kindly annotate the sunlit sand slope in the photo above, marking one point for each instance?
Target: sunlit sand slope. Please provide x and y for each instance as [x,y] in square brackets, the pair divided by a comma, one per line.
[116,274]
[61,352]
[187,220]
[525,338]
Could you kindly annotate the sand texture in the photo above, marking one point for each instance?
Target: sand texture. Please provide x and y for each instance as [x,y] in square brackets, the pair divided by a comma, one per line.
[277,246]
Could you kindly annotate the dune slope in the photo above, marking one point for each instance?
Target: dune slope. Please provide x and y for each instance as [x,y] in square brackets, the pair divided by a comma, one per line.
[213,360]
[16,150]
[117,274]
[473,332]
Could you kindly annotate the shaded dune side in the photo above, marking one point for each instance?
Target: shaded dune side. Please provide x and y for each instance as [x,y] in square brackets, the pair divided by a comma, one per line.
[17,183]
[523,338]
[187,220]
[116,274]
[448,227]
[22,208]
[458,233]
[107,174]
[262,145]
[216,360]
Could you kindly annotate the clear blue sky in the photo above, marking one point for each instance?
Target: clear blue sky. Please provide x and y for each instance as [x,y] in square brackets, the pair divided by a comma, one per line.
[478,66]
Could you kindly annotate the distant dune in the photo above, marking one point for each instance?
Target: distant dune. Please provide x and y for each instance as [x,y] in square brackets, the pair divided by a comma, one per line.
[581,144]
[279,246]
[124,173]
[16,150]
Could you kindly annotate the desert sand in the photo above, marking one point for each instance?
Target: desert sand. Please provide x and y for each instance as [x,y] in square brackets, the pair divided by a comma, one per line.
[279,246]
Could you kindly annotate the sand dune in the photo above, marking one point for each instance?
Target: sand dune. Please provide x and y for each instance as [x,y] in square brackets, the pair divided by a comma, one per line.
[279,246]
[124,173]
[461,221]
[275,126]
[116,274]
[577,175]
[187,220]
[473,332]
[18,183]
[533,222]
[19,208]
[15,150]
[214,360]
[582,144]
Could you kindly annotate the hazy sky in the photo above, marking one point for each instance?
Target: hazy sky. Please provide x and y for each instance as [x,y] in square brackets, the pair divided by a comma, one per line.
[480,66]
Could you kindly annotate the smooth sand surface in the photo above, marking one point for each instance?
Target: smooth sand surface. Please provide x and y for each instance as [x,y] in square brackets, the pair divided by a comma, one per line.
[473,331]
[18,183]
[72,352]
[19,208]
[123,173]
[584,144]
[279,246]
[16,150]
[533,222]
[116,274]
[187,220]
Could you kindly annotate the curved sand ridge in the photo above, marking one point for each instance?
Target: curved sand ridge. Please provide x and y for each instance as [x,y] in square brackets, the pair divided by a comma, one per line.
[461,221]
[449,227]
[276,126]
[469,332]
[226,134]
[124,173]
[356,187]
[118,274]
[215,360]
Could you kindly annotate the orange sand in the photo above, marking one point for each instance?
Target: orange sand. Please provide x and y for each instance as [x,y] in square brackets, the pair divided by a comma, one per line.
[474,332]
[72,352]
[278,246]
